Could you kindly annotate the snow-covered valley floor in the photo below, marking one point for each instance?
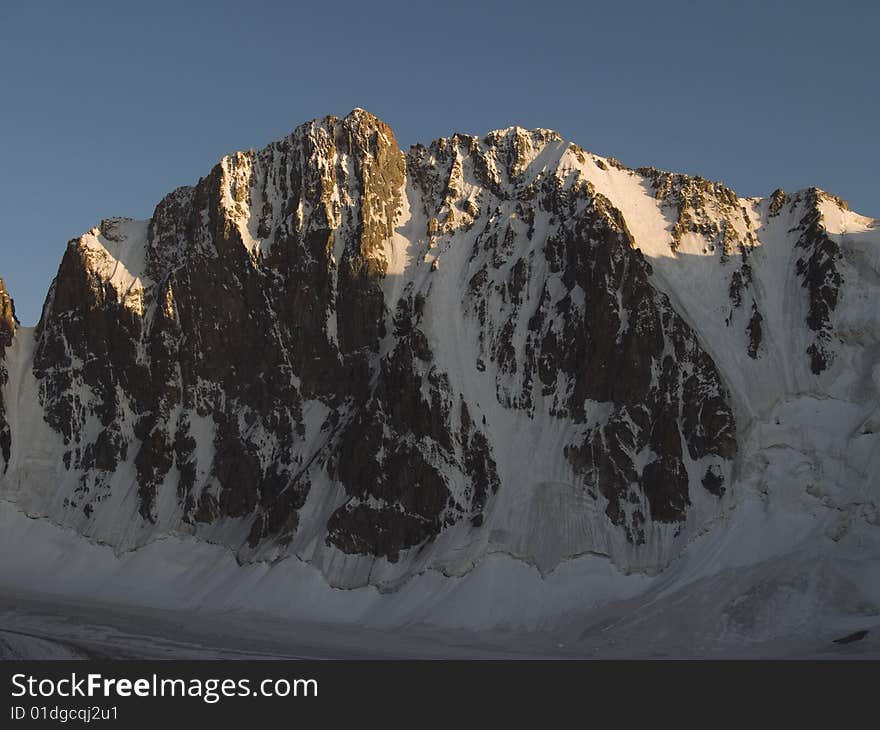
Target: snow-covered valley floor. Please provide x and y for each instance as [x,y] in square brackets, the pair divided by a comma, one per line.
[730,595]
[47,627]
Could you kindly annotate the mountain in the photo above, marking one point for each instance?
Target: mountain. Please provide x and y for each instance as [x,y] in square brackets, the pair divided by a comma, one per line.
[388,364]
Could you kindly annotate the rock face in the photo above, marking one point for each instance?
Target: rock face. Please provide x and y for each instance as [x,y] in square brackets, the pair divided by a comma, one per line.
[383,362]
[8,326]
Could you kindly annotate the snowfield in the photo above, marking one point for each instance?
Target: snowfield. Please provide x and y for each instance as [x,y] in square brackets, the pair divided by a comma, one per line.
[64,597]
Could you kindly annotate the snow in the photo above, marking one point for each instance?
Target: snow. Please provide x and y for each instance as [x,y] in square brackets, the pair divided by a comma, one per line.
[736,592]
[185,573]
[18,645]
[409,229]
[116,251]
[633,195]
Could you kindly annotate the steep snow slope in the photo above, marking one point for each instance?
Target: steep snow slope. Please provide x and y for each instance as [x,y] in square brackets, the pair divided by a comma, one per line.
[500,378]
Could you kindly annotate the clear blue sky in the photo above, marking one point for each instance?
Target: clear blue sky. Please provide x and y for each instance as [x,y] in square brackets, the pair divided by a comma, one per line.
[108,106]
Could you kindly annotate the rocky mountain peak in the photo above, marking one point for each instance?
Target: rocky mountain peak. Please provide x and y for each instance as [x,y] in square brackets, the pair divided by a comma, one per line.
[384,363]
[8,320]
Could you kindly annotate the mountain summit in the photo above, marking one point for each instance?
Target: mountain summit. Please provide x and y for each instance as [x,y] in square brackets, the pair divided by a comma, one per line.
[386,363]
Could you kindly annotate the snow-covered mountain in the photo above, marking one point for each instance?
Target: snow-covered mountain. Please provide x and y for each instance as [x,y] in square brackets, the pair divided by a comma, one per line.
[390,364]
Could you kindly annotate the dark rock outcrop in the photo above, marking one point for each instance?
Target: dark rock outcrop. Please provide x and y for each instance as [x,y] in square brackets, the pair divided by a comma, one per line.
[820,276]
[8,325]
